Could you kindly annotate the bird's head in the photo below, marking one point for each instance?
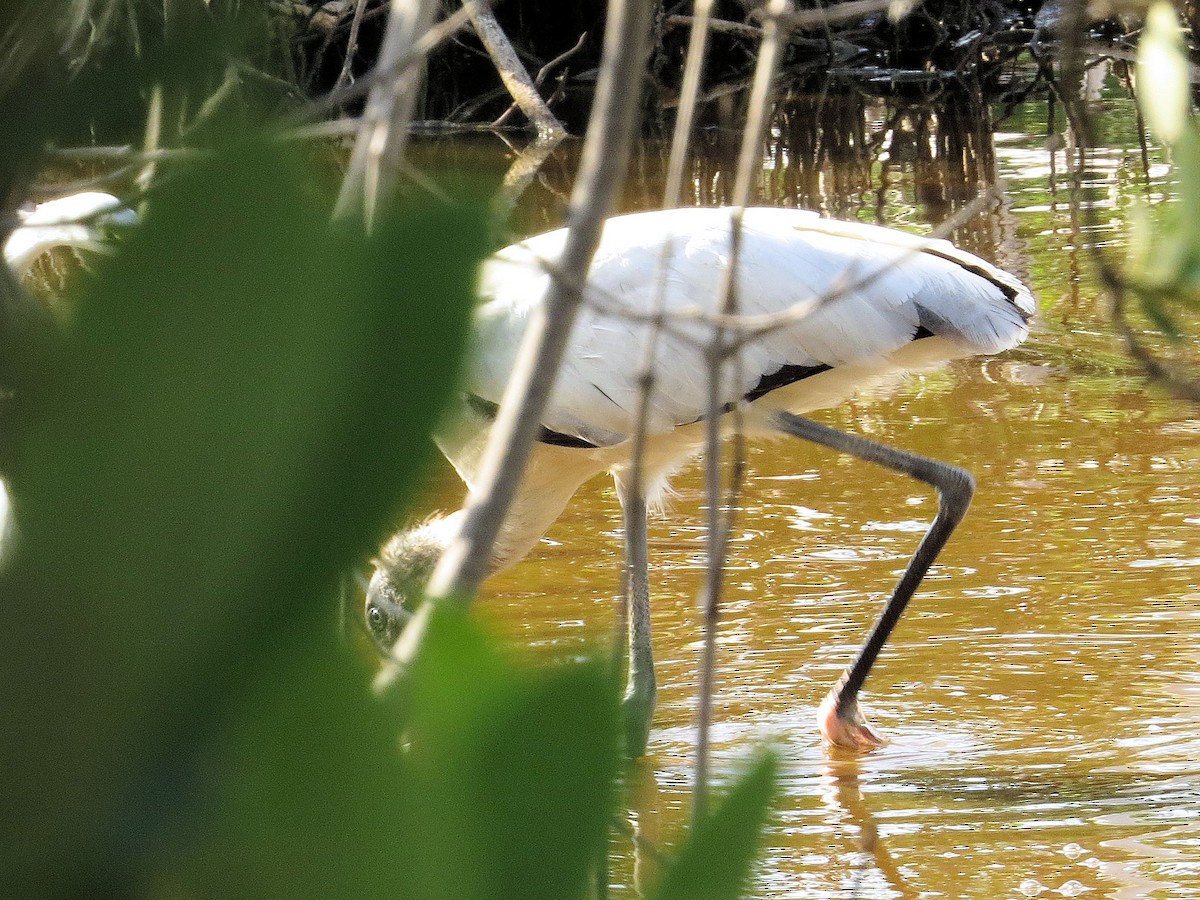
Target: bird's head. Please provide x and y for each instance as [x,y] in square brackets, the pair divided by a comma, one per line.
[386,612]
[397,585]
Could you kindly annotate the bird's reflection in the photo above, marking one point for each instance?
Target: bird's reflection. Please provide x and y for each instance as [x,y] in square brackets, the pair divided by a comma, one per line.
[842,795]
[645,806]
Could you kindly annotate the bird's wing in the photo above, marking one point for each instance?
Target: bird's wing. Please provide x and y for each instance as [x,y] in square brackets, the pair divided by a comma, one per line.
[891,287]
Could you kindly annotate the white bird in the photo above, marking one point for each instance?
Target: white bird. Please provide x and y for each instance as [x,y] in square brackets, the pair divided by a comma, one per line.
[902,303]
[76,220]
[79,221]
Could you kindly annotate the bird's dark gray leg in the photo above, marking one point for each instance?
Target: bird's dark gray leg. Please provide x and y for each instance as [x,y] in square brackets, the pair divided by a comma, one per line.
[641,689]
[840,718]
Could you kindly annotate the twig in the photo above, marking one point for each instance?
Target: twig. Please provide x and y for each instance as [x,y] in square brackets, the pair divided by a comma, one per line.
[513,73]
[430,40]
[806,20]
[1072,48]
[744,328]
[689,98]
[635,564]
[753,328]
[848,11]
[672,192]
[118,151]
[136,159]
[1170,375]
[721,514]
[333,128]
[737,29]
[379,147]
[1098,50]
[543,72]
[724,89]
[62,188]
[145,176]
[344,76]
[601,171]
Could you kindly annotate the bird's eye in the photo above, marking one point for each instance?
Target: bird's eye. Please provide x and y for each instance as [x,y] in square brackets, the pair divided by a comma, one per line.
[380,625]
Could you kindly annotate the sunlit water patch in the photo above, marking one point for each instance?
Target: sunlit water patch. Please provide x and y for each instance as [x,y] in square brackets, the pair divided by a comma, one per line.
[1041,696]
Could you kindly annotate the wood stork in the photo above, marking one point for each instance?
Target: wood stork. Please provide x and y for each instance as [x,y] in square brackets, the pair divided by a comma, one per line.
[906,304]
[76,220]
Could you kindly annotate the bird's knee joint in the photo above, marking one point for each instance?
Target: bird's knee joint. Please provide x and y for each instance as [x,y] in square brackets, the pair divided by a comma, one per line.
[956,488]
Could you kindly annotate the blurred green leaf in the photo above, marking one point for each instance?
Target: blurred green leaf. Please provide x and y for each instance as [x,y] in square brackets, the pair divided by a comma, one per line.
[306,783]
[505,789]
[1186,230]
[244,396]
[1163,73]
[512,774]
[1163,260]
[716,861]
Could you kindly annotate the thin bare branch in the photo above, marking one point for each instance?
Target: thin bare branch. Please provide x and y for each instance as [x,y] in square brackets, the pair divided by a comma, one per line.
[384,71]
[689,95]
[542,74]
[134,161]
[1073,49]
[806,20]
[602,168]
[152,140]
[742,328]
[721,509]
[379,147]
[512,72]
[121,152]
[737,29]
[693,70]
[633,605]
[344,76]
[753,328]
[848,11]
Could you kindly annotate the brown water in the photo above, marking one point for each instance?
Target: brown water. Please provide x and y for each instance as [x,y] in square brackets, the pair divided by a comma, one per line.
[1042,696]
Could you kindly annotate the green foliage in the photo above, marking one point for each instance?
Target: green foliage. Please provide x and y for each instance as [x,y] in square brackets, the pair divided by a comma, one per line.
[715,864]
[1163,264]
[303,791]
[504,791]
[232,416]
[242,395]
[242,399]
[1163,70]
[512,774]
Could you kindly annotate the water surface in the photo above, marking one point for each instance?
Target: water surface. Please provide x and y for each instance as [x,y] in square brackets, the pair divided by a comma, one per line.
[1041,695]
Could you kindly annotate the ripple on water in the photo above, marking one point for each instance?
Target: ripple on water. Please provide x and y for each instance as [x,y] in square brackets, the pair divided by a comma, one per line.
[1041,695]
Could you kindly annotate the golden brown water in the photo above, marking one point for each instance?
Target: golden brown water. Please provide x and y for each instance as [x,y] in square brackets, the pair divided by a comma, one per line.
[1042,695]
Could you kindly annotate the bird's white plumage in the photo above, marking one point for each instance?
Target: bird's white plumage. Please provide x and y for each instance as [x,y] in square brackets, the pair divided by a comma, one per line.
[902,304]
[892,285]
[64,222]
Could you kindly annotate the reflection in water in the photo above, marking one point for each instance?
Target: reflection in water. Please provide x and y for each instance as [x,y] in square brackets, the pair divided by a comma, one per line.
[645,820]
[843,798]
[1041,694]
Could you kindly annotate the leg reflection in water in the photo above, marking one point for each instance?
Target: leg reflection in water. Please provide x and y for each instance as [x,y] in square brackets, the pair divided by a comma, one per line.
[645,825]
[842,795]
